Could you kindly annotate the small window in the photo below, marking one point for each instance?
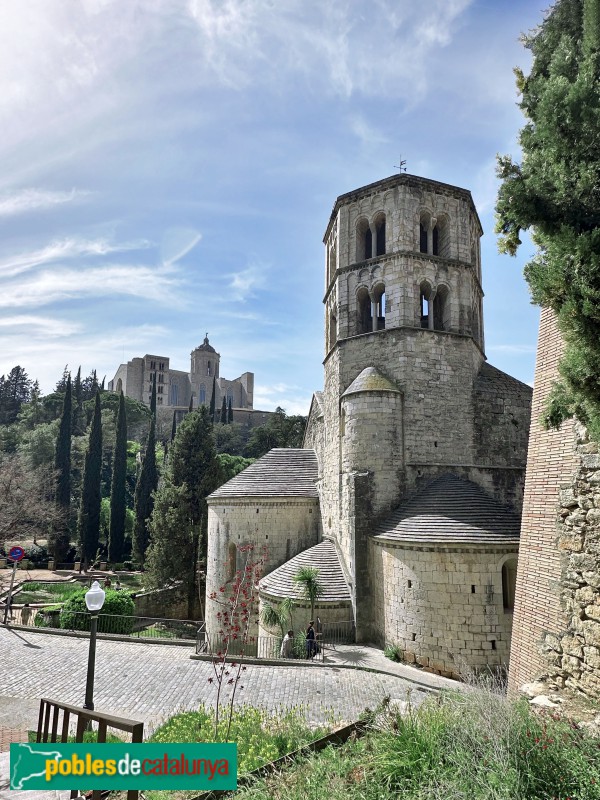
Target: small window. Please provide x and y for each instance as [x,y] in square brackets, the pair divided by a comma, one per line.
[161,365]
[159,400]
[202,394]
[436,241]
[422,238]
[208,372]
[153,365]
[509,582]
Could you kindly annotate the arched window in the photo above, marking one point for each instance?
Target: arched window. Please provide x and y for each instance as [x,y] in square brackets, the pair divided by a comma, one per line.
[208,368]
[509,582]
[202,394]
[424,229]
[364,240]
[425,305]
[380,235]
[422,238]
[441,310]
[435,244]
[332,330]
[174,394]
[332,260]
[441,237]
[365,319]
[379,295]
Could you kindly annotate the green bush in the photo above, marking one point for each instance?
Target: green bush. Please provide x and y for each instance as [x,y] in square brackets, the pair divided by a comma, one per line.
[393,652]
[261,736]
[116,615]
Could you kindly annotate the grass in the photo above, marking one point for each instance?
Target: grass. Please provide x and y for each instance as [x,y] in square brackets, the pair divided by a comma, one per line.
[34,592]
[469,746]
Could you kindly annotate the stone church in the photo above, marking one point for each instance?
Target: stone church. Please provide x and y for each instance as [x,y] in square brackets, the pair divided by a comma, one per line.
[407,493]
[176,388]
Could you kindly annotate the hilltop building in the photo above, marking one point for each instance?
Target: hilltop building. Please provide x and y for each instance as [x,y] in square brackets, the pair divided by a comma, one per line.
[175,388]
[407,493]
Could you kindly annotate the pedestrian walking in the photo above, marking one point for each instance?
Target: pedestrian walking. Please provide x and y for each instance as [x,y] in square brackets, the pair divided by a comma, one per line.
[287,645]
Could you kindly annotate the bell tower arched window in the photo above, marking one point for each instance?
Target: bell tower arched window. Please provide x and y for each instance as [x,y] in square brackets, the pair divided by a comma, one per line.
[422,238]
[425,305]
[441,310]
[202,394]
[380,235]
[365,319]
[379,302]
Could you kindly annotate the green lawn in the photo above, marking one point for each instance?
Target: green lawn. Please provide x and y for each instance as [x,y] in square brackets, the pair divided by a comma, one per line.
[35,592]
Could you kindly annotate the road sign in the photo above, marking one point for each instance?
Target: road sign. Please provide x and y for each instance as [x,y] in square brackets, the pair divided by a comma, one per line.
[16,553]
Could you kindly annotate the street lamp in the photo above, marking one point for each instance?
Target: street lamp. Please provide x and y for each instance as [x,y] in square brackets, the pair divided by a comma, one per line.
[94,600]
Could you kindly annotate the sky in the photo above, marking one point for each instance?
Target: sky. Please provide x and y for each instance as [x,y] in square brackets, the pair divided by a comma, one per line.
[169,168]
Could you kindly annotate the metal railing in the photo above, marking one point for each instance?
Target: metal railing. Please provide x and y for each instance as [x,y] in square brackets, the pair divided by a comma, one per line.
[151,628]
[49,721]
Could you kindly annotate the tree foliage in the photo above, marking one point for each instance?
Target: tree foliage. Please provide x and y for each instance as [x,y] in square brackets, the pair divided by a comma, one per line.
[307,579]
[88,528]
[15,389]
[144,500]
[280,430]
[178,524]
[62,459]
[118,503]
[27,509]
[555,193]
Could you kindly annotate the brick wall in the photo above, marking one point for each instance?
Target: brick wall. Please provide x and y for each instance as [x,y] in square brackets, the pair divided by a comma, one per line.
[551,463]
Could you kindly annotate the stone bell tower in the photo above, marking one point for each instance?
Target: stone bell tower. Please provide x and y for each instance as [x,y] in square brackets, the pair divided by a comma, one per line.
[203,370]
[403,343]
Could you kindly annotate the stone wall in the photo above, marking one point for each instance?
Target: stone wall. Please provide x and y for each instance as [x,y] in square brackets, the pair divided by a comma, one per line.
[551,464]
[443,606]
[277,528]
[164,604]
[573,653]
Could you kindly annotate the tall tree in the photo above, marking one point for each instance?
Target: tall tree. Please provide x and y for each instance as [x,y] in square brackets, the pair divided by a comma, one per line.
[88,528]
[153,396]
[178,525]
[191,406]
[307,579]
[59,537]
[174,426]
[15,389]
[554,192]
[147,483]
[229,412]
[213,401]
[78,415]
[223,416]
[118,500]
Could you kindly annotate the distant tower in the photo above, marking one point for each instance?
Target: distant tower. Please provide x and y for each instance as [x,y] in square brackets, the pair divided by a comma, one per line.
[204,368]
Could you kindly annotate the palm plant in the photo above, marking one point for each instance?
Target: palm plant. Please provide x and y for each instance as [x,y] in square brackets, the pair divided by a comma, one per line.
[307,578]
[280,615]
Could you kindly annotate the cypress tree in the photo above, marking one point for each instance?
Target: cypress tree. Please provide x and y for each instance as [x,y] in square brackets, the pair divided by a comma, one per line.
[116,536]
[213,401]
[229,412]
[78,427]
[153,396]
[191,408]
[59,538]
[88,528]
[223,419]
[147,483]
[174,426]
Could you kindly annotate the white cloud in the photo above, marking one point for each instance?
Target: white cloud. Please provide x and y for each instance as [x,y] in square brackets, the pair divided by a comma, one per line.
[244,284]
[39,327]
[25,200]
[281,395]
[149,283]
[63,249]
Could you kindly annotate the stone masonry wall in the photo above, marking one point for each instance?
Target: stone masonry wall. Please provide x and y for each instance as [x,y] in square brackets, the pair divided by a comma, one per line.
[574,652]
[443,607]
[551,464]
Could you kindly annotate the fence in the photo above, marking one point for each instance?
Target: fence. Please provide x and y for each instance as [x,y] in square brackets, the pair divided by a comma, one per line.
[269,647]
[152,628]
[50,719]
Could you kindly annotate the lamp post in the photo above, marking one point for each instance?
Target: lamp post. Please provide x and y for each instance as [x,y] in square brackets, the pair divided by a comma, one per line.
[94,600]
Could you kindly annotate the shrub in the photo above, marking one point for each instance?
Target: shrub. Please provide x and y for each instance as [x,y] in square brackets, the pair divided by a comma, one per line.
[393,652]
[116,615]
[38,554]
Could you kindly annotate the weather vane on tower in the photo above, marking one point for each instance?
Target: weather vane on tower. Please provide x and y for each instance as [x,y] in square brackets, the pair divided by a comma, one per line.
[402,166]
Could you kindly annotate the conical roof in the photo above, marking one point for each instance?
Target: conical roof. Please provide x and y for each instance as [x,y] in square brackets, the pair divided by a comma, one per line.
[324,557]
[371,380]
[208,348]
[451,510]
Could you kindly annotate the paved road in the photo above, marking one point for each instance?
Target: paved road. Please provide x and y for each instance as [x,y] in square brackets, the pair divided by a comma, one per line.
[150,682]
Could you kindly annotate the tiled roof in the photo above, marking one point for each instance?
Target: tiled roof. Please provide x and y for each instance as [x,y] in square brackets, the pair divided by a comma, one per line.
[323,556]
[371,380]
[282,472]
[451,510]
[492,380]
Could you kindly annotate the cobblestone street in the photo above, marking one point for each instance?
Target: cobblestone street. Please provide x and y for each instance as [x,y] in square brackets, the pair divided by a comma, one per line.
[150,682]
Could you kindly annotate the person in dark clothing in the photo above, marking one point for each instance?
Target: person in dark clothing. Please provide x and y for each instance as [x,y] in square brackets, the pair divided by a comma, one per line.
[311,643]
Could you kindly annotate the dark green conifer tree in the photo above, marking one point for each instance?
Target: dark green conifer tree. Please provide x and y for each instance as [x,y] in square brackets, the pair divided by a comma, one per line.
[191,406]
[144,502]
[78,427]
[174,426]
[59,536]
[229,412]
[223,418]
[118,500]
[88,527]
[153,396]
[213,401]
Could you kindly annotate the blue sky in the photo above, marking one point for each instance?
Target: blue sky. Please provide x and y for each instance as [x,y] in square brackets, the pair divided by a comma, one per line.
[169,167]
